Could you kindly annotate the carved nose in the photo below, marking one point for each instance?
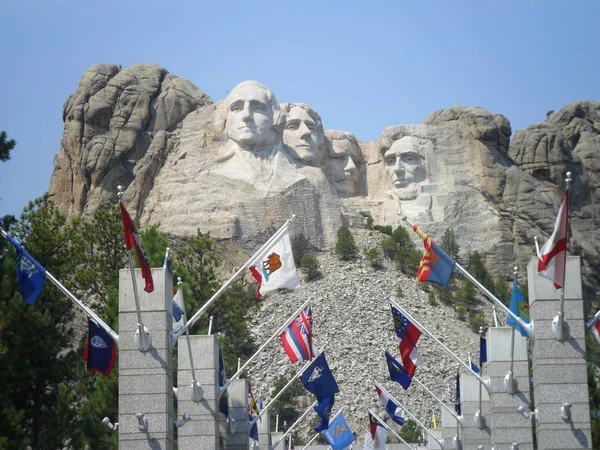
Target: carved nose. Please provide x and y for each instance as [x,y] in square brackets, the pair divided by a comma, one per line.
[399,167]
[304,132]
[246,115]
[350,166]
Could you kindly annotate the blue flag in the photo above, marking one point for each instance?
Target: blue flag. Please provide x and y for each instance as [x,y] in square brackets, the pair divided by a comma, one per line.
[318,379]
[519,307]
[397,371]
[482,350]
[223,401]
[323,409]
[100,350]
[457,407]
[339,434]
[474,367]
[177,312]
[253,429]
[30,273]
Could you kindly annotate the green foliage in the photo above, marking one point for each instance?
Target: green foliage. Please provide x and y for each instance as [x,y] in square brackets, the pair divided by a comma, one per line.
[369,218]
[155,245]
[310,266]
[385,229]
[503,291]
[461,312]
[443,294]
[449,244]
[285,406]
[374,258]
[431,298]
[411,432]
[6,145]
[300,247]
[400,248]
[399,291]
[345,246]
[476,321]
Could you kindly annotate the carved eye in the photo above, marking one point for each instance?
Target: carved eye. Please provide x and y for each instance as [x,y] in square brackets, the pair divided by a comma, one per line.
[236,107]
[258,107]
[291,126]
[390,161]
[310,126]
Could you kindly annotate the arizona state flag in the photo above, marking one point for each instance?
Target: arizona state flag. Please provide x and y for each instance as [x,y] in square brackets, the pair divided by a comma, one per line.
[100,350]
[132,239]
[436,266]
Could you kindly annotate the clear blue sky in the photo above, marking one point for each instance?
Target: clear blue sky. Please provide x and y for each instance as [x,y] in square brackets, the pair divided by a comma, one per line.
[363,65]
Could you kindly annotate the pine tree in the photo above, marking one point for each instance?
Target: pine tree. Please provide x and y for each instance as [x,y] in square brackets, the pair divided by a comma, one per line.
[449,244]
[345,246]
[6,145]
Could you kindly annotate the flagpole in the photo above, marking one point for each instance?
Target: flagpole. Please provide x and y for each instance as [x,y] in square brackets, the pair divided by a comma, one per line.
[421,425]
[559,331]
[486,383]
[196,387]
[387,427]
[216,295]
[509,381]
[289,383]
[289,430]
[528,327]
[276,334]
[317,435]
[495,316]
[86,309]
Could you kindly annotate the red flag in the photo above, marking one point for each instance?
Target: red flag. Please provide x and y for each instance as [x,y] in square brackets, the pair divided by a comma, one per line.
[132,239]
[553,256]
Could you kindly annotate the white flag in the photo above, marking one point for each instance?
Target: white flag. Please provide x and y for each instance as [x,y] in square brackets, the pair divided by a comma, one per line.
[553,256]
[368,442]
[178,300]
[276,269]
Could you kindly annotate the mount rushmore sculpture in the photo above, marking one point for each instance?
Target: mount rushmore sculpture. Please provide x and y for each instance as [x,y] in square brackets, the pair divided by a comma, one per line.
[239,168]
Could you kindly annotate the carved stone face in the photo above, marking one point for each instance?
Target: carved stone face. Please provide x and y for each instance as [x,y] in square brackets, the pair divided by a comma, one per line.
[404,163]
[300,133]
[250,117]
[342,166]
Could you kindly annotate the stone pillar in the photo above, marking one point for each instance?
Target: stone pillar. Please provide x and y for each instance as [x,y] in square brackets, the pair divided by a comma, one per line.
[202,432]
[432,443]
[145,379]
[448,430]
[559,368]
[264,431]
[507,425]
[238,410]
[472,437]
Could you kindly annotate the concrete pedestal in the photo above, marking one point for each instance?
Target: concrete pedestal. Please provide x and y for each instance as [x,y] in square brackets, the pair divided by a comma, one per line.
[238,410]
[472,437]
[202,432]
[559,368]
[507,425]
[145,379]
[264,431]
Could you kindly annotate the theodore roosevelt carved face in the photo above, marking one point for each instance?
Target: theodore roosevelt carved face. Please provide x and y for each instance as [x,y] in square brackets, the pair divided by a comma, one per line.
[343,165]
[252,116]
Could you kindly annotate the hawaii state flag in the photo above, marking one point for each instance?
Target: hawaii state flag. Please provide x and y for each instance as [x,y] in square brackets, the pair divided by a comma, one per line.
[100,350]
[276,270]
[408,335]
[436,266]
[132,239]
[378,431]
[390,405]
[31,275]
[553,255]
[297,337]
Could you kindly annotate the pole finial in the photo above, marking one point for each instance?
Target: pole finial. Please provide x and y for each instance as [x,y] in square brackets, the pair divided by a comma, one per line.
[516,271]
[120,192]
[179,281]
[568,180]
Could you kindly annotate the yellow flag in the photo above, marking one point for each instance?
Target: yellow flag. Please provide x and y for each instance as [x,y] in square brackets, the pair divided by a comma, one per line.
[434,422]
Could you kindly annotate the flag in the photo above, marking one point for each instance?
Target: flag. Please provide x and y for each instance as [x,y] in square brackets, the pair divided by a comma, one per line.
[276,270]
[252,405]
[297,337]
[457,407]
[596,330]
[433,419]
[323,409]
[253,429]
[482,350]
[100,350]
[408,335]
[368,442]
[178,308]
[318,379]
[390,405]
[397,372]
[339,434]
[474,367]
[259,403]
[167,265]
[30,273]
[223,401]
[520,308]
[553,255]
[378,431]
[132,239]
[436,266]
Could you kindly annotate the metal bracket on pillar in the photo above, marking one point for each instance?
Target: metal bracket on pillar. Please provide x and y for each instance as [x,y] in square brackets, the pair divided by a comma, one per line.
[527,413]
[143,340]
[510,384]
[456,443]
[565,411]
[514,446]
[196,395]
[106,421]
[185,419]
[560,328]
[143,422]
[175,393]
[479,420]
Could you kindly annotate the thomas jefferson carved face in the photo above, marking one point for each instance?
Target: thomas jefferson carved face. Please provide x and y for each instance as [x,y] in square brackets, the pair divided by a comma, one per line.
[300,133]
[342,167]
[250,121]
[404,163]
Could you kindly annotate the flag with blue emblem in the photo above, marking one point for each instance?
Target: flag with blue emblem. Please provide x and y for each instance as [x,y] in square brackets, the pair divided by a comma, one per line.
[318,379]
[391,406]
[338,434]
[474,367]
[100,351]
[520,308]
[408,334]
[436,266]
[482,350]
[253,429]
[397,371]
[30,273]
[323,409]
